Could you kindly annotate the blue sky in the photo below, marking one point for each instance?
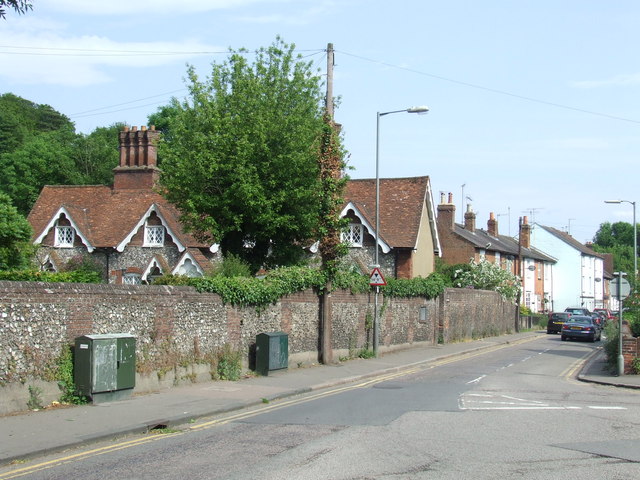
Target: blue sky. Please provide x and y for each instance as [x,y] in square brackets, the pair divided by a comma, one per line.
[534,104]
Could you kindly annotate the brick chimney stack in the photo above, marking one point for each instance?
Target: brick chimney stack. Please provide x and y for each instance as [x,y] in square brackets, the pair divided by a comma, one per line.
[469,219]
[492,225]
[138,167]
[525,233]
[446,213]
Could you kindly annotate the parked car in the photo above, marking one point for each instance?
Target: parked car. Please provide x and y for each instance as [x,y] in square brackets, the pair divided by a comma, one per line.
[600,317]
[581,327]
[556,319]
[607,313]
[577,311]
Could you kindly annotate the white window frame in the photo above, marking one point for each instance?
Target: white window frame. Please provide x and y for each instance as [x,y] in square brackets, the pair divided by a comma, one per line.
[353,235]
[65,236]
[154,235]
[132,279]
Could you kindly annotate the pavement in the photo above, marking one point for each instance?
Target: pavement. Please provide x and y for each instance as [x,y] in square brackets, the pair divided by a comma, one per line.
[32,434]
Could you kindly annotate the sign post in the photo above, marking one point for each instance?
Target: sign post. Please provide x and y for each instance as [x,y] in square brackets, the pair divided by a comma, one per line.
[376,280]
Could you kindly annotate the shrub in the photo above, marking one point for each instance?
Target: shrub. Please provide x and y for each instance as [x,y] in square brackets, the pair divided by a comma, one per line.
[233,266]
[611,343]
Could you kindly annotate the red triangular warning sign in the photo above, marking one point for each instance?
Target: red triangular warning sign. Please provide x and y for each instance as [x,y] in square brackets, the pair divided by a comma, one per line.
[376,279]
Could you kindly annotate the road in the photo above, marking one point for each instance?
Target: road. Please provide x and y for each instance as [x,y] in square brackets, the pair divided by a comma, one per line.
[513,411]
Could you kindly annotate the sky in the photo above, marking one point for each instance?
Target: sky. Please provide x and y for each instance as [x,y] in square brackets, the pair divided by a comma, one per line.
[534,105]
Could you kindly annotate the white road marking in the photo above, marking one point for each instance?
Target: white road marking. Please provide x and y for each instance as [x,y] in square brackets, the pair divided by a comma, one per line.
[483,401]
[596,407]
[476,380]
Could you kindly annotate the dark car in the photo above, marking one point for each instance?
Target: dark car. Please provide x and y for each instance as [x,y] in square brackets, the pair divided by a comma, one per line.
[556,319]
[581,327]
[578,311]
[608,314]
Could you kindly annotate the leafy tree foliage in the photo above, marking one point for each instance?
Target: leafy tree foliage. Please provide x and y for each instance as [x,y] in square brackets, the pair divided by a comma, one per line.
[43,159]
[15,232]
[20,6]
[617,239]
[97,154]
[241,160]
[39,146]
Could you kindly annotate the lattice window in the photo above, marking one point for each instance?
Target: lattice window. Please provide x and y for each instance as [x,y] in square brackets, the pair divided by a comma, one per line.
[154,236]
[65,236]
[132,279]
[353,235]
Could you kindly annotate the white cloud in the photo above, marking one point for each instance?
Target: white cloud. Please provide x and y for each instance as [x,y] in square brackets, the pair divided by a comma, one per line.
[619,80]
[303,17]
[579,143]
[125,7]
[38,52]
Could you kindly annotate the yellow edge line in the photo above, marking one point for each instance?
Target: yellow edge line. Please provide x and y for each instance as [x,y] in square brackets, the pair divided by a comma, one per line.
[222,421]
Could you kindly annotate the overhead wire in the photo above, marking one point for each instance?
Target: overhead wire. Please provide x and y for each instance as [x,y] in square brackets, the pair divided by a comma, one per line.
[56,51]
[492,90]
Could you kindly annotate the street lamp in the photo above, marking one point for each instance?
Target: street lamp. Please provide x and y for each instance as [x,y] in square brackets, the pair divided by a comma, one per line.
[635,238]
[620,274]
[418,110]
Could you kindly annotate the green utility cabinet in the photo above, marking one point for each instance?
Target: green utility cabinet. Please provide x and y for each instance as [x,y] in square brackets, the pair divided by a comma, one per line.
[272,352]
[105,366]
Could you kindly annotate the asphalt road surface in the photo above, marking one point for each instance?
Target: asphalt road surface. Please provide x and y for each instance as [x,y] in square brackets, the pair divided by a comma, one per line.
[514,411]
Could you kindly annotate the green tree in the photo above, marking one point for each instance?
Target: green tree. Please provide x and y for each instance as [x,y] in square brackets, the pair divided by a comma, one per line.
[43,159]
[241,160]
[20,119]
[617,239]
[20,6]
[15,233]
[97,154]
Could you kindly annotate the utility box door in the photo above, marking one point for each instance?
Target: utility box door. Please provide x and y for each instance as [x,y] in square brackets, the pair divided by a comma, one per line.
[272,352]
[105,373]
[126,362]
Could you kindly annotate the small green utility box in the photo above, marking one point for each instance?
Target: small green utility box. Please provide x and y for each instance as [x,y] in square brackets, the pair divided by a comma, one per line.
[105,366]
[272,352]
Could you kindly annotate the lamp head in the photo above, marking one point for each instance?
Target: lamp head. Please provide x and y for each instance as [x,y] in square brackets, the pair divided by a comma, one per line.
[421,110]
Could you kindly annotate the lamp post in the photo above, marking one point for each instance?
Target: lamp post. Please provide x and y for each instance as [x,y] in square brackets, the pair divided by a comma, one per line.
[635,238]
[418,110]
[620,275]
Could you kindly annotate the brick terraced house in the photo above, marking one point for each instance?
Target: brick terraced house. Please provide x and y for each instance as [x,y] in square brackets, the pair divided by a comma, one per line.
[463,243]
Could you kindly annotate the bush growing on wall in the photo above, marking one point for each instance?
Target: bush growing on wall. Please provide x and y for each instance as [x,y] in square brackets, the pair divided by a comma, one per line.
[249,291]
[485,275]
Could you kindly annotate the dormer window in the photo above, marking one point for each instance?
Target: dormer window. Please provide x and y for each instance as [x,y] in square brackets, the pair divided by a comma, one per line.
[353,235]
[154,236]
[65,235]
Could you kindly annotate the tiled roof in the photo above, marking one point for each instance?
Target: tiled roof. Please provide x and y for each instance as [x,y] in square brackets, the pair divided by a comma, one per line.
[402,201]
[565,237]
[105,216]
[502,243]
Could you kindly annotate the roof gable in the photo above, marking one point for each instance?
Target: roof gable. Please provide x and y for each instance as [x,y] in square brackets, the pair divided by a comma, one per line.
[63,211]
[105,217]
[402,201]
[572,242]
[153,208]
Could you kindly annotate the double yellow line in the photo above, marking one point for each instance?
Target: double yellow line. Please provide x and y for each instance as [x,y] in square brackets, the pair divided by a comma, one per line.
[248,414]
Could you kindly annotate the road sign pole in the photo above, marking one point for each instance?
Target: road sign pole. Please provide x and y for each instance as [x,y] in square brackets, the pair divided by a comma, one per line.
[375,322]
